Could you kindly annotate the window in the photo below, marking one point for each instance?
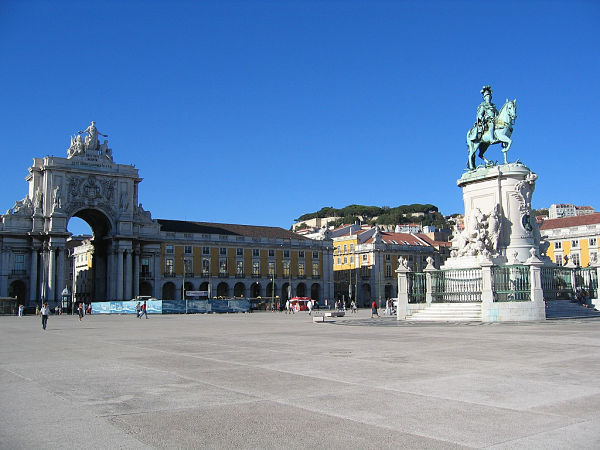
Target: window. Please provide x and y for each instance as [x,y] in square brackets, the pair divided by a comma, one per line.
[286,253]
[388,270]
[145,265]
[558,259]
[345,260]
[339,260]
[239,267]
[222,267]
[593,256]
[315,270]
[351,259]
[575,243]
[351,247]
[187,249]
[187,266]
[364,257]
[271,269]
[255,252]
[255,268]
[593,242]
[169,266]
[575,258]
[301,272]
[271,253]
[19,261]
[558,244]
[239,252]
[223,251]
[345,248]
[169,250]
[301,254]
[206,250]
[286,269]
[206,267]
[315,255]
[387,257]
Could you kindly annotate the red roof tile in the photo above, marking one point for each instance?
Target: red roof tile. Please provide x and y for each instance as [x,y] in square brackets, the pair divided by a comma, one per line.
[566,222]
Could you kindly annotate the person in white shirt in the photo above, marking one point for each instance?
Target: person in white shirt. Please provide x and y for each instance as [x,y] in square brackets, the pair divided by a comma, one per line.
[45,312]
[310,306]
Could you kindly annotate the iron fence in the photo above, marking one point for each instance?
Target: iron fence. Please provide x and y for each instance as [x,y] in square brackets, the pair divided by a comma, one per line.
[511,283]
[587,278]
[417,287]
[456,286]
[557,283]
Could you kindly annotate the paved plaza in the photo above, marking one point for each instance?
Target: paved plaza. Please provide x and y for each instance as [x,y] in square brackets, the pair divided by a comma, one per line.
[269,380]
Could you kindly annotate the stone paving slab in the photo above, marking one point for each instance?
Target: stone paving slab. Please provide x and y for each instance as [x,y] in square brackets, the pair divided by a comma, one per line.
[270,380]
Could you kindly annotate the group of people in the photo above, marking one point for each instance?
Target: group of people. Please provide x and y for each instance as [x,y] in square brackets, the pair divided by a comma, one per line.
[140,310]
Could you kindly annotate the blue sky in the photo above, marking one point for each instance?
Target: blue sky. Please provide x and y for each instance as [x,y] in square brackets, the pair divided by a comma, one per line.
[256,112]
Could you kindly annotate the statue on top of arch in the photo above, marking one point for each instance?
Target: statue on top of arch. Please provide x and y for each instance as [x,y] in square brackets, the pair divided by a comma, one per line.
[91,144]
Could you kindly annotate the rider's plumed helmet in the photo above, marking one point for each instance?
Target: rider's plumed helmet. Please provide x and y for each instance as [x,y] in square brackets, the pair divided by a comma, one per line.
[487,89]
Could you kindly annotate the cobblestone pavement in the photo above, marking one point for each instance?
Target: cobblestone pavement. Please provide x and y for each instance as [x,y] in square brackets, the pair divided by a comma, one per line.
[271,380]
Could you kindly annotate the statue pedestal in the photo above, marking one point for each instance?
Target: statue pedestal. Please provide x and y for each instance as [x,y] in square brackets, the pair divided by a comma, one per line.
[501,194]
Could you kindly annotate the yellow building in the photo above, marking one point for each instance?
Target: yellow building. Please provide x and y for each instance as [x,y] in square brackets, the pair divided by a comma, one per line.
[365,261]
[575,237]
[228,260]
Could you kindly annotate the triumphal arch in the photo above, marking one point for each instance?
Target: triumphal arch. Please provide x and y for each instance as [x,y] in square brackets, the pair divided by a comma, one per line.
[87,184]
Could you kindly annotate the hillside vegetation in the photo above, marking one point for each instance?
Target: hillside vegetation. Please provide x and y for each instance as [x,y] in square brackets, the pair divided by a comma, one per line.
[381,215]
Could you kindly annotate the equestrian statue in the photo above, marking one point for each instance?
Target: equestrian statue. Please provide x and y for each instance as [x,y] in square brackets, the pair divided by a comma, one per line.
[491,127]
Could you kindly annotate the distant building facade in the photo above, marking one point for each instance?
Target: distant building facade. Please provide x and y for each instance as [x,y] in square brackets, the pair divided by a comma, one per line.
[559,210]
[365,261]
[574,237]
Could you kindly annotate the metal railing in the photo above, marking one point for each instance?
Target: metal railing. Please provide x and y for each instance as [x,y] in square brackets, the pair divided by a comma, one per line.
[456,286]
[417,287]
[511,283]
[557,283]
[587,278]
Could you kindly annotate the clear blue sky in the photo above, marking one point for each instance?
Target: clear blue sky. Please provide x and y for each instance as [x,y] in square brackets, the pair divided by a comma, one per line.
[256,112]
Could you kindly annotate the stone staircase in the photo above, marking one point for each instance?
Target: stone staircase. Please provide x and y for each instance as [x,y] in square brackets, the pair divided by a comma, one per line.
[448,312]
[565,309]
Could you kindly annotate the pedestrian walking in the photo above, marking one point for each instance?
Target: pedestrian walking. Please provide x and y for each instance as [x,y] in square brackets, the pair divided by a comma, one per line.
[144,311]
[353,306]
[310,306]
[80,311]
[45,311]
[20,311]
[138,310]
[374,309]
[287,307]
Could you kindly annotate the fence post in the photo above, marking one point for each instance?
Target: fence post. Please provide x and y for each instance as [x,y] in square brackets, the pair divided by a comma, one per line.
[402,309]
[487,294]
[535,279]
[429,284]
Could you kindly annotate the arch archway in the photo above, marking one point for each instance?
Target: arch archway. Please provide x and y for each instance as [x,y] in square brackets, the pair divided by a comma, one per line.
[188,286]
[98,283]
[239,290]
[284,292]
[271,291]
[145,288]
[301,290]
[255,290]
[223,290]
[366,295]
[388,292]
[18,289]
[315,291]
[168,291]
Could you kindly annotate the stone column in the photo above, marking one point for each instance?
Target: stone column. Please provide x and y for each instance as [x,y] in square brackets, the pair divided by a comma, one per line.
[402,309]
[60,272]
[136,272]
[33,278]
[119,293]
[51,274]
[128,274]
[4,271]
[535,280]
[157,274]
